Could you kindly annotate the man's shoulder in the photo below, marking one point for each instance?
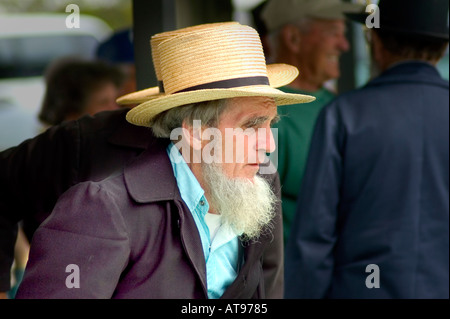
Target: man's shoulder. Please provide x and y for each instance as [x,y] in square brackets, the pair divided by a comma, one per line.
[409,73]
[104,121]
[395,83]
[113,127]
[109,187]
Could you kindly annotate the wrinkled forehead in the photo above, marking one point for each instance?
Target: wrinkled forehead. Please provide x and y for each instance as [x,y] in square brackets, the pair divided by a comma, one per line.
[251,104]
[242,109]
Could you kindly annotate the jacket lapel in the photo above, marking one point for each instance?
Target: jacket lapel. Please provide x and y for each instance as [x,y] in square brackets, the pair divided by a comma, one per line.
[149,177]
[249,276]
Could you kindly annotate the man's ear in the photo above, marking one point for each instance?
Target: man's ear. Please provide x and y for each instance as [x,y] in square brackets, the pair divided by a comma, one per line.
[291,36]
[193,135]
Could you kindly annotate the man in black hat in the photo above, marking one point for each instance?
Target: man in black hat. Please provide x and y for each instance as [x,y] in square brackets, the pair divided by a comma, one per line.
[372,218]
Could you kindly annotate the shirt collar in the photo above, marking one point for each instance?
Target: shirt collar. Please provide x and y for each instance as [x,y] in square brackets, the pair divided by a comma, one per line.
[191,191]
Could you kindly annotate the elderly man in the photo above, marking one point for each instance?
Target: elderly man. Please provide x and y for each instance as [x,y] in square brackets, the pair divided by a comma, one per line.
[184,219]
[29,171]
[373,213]
[309,34]
[25,170]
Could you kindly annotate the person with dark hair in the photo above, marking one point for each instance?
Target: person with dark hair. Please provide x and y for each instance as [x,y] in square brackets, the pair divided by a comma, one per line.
[372,216]
[75,88]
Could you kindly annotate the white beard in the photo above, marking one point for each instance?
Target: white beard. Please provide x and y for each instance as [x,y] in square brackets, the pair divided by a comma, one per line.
[246,206]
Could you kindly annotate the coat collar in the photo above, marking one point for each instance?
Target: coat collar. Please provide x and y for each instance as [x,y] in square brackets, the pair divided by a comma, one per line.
[150,177]
[150,167]
[410,72]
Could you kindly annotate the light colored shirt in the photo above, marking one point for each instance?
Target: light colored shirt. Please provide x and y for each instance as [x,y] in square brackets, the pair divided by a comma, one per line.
[220,243]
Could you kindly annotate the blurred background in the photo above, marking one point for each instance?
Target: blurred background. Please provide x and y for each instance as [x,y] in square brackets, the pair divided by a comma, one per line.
[34,33]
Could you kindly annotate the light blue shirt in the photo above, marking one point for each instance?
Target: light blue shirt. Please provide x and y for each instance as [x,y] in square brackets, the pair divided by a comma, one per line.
[221,244]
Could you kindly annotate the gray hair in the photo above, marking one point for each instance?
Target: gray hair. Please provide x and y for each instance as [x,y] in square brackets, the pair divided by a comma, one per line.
[207,112]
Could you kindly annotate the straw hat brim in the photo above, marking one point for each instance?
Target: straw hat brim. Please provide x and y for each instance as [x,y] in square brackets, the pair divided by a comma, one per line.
[142,114]
[139,96]
[279,75]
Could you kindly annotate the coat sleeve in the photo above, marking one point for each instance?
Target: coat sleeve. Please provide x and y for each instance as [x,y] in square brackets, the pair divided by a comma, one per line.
[80,251]
[309,251]
[32,176]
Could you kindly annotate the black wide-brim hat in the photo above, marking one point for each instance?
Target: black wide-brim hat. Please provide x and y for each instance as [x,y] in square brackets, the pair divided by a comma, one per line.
[428,18]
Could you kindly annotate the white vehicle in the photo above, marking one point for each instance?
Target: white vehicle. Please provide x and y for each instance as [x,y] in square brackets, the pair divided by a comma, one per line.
[28,44]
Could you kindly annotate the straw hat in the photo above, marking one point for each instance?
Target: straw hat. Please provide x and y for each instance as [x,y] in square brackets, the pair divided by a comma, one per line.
[215,63]
[157,91]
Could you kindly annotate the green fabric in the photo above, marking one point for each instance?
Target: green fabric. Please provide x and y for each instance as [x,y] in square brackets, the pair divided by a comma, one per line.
[294,134]
[18,275]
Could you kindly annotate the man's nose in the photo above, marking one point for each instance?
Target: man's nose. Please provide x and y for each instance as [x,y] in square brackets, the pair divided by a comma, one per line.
[343,43]
[266,141]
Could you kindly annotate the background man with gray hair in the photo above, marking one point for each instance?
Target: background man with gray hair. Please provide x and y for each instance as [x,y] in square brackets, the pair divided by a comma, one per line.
[309,34]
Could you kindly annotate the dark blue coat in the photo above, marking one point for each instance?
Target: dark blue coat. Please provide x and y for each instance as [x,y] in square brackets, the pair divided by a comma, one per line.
[376,192]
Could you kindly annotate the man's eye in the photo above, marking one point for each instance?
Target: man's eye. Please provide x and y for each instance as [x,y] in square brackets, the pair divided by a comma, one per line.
[251,124]
[259,122]
[275,120]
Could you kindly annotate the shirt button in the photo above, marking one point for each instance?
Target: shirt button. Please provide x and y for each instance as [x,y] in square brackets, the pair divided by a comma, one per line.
[202,202]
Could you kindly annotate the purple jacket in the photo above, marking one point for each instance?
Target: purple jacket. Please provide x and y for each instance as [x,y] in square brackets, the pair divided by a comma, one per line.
[134,237]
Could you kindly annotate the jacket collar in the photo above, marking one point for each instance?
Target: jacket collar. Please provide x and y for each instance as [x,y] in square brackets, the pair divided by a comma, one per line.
[410,72]
[150,177]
